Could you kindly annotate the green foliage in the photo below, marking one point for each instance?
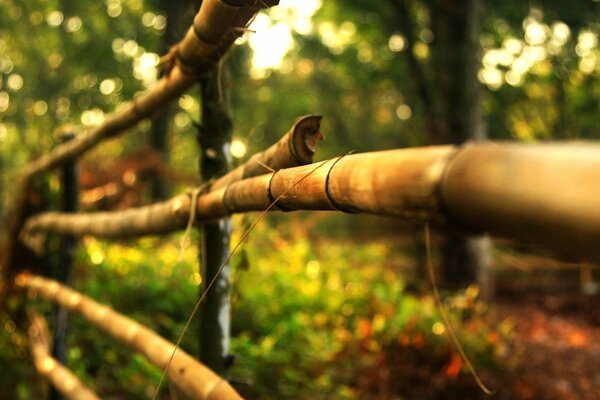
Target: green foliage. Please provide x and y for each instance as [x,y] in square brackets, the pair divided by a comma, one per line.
[312,321]
[143,280]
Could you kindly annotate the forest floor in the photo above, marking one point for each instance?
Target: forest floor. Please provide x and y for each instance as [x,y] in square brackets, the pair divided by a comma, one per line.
[557,346]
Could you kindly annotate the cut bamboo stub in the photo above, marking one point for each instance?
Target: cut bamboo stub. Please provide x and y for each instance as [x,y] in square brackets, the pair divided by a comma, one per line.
[67,383]
[296,147]
[191,377]
[545,194]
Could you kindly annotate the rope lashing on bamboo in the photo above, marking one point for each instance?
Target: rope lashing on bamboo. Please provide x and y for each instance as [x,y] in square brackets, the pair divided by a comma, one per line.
[356,183]
[65,381]
[189,375]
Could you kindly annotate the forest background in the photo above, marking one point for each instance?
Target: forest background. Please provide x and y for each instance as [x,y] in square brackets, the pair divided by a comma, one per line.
[323,305]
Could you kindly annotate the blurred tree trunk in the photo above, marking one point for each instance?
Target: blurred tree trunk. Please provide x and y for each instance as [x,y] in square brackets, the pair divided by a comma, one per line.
[457,101]
[214,137]
[451,98]
[2,186]
[179,14]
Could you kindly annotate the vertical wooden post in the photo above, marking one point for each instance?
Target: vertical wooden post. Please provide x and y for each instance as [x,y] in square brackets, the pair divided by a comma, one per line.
[62,271]
[214,137]
[456,52]
[179,15]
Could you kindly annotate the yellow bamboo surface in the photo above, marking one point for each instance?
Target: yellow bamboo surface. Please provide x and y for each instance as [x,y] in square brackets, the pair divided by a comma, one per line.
[67,383]
[546,194]
[190,376]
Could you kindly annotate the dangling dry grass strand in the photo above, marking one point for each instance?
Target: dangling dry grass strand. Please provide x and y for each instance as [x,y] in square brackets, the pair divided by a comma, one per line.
[446,318]
[214,279]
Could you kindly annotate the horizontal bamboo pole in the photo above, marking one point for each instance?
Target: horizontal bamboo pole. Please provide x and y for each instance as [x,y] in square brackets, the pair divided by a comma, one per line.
[190,376]
[545,194]
[65,381]
[296,147]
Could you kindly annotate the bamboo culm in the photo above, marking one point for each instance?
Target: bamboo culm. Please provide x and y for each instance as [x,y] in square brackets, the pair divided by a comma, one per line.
[216,26]
[190,376]
[545,194]
[61,378]
[296,147]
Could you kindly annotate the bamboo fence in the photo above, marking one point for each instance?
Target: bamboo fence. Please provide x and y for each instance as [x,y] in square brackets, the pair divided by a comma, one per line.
[67,383]
[215,28]
[190,376]
[544,194]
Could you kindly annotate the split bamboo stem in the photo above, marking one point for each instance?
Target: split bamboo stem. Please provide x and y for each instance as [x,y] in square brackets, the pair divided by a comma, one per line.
[190,376]
[65,382]
[544,194]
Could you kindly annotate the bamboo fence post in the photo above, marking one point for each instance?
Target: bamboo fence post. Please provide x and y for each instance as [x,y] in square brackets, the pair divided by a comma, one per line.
[214,138]
[70,200]
[61,379]
[62,272]
[190,376]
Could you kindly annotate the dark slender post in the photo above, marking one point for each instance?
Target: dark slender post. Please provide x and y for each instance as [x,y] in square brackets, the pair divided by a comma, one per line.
[214,137]
[179,15]
[63,269]
[456,50]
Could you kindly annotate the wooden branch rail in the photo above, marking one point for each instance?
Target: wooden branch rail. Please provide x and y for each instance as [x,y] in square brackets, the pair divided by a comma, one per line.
[296,147]
[215,28]
[546,194]
[67,383]
[190,376]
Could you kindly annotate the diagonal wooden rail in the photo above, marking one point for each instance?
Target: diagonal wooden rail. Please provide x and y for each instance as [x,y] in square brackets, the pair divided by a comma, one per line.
[216,26]
[214,30]
[546,194]
[194,379]
[67,383]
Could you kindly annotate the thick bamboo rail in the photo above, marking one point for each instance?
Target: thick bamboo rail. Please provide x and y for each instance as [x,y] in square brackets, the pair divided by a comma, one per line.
[216,26]
[546,194]
[67,383]
[191,377]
